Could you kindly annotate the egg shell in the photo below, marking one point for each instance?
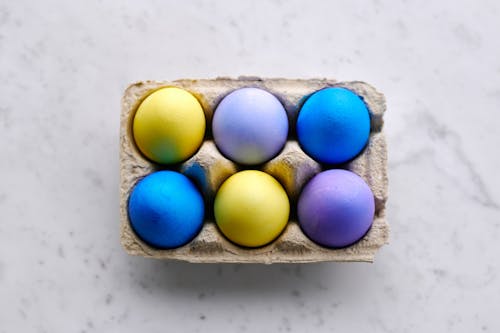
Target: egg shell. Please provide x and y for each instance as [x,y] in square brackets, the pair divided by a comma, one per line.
[166,210]
[251,208]
[333,125]
[336,208]
[169,125]
[250,126]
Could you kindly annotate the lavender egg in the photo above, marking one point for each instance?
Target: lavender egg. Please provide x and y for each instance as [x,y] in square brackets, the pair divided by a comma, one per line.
[250,126]
[336,208]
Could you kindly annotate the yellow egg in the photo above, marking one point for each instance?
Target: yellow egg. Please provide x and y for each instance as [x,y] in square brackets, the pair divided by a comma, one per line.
[251,208]
[169,125]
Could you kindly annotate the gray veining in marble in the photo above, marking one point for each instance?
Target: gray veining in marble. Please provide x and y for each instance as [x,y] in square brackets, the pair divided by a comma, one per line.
[63,68]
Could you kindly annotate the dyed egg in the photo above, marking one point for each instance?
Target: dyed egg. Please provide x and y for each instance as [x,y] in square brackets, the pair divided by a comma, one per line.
[336,208]
[166,210]
[251,208]
[250,126]
[333,125]
[169,125]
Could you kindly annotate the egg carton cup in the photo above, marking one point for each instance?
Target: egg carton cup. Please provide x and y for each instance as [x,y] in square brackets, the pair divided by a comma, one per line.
[208,168]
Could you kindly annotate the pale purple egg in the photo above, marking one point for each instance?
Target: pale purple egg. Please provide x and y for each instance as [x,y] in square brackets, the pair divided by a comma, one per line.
[250,126]
[336,208]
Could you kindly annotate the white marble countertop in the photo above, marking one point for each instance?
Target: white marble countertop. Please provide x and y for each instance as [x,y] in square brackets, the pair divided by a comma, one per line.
[63,68]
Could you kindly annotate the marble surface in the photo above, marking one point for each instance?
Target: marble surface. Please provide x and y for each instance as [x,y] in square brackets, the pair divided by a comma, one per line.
[63,68]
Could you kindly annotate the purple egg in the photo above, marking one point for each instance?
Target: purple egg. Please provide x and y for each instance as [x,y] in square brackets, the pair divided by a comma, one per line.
[336,208]
[250,126]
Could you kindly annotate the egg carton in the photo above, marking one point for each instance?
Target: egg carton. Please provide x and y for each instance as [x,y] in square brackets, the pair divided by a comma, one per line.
[208,168]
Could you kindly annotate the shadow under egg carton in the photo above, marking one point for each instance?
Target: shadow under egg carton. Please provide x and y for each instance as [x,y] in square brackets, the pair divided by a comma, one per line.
[208,168]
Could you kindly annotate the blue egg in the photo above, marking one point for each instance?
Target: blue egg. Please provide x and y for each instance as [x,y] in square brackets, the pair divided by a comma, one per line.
[166,210]
[250,126]
[333,125]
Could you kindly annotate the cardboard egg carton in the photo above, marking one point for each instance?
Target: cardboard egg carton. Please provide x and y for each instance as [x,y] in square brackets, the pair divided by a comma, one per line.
[292,168]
